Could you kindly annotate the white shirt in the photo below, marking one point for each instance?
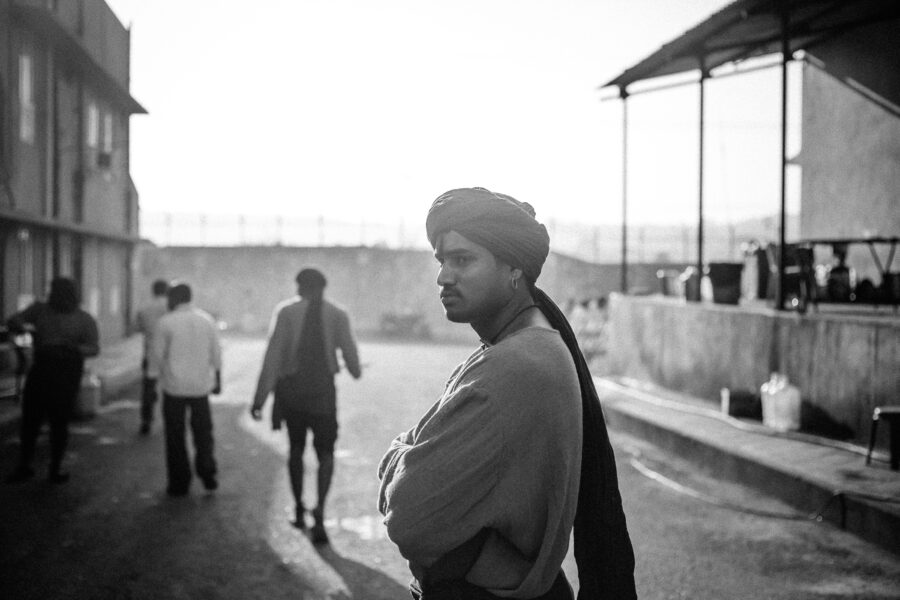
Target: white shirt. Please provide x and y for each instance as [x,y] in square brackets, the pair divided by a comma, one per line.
[187,349]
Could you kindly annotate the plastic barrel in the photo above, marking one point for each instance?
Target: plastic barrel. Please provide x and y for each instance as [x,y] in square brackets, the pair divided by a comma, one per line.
[726,281]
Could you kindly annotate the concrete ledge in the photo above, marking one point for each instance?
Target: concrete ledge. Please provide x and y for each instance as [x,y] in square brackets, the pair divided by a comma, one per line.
[845,365]
[115,385]
[813,478]
[118,367]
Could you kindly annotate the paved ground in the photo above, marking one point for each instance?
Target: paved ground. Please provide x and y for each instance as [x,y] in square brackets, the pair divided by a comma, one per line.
[112,533]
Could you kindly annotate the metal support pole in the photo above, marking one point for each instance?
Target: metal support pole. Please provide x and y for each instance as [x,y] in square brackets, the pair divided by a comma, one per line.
[704,74]
[785,59]
[623,94]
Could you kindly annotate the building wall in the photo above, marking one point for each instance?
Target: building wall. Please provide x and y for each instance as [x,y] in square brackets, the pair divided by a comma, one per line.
[25,258]
[104,282]
[69,156]
[68,172]
[850,160]
[868,55]
[103,36]
[6,120]
[28,159]
[850,163]
[113,286]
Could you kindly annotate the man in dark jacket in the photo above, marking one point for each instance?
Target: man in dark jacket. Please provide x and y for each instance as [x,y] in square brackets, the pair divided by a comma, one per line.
[64,335]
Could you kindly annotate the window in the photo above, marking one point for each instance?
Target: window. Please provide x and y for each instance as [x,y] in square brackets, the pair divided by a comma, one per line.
[93,125]
[104,157]
[26,98]
[115,300]
[108,133]
[26,268]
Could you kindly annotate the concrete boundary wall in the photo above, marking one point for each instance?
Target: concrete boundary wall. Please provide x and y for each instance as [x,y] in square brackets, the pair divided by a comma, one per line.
[242,284]
[844,365]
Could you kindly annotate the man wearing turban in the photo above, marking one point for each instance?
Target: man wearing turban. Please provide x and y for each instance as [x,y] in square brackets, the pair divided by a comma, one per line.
[481,496]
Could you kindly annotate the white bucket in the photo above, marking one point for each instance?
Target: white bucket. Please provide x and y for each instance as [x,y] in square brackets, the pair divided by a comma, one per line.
[89,396]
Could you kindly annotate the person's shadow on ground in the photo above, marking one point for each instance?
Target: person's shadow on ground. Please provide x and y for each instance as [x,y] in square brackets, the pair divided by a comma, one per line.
[363,581]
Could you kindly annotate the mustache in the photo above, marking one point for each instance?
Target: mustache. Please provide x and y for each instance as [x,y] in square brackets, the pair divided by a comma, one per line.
[449,292]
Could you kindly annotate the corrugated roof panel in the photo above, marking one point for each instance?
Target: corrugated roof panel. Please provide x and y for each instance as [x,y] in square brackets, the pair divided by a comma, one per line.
[750,28]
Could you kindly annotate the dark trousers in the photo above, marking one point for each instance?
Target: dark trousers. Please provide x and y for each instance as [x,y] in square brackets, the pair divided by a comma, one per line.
[149,395]
[175,410]
[461,590]
[50,392]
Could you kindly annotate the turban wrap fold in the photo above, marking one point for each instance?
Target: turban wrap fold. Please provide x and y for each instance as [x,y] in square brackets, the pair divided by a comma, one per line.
[498,222]
[509,230]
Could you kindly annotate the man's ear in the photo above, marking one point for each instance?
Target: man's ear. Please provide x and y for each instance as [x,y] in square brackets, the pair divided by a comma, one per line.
[515,273]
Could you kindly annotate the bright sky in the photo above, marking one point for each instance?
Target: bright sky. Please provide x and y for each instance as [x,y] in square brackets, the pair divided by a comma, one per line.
[356,109]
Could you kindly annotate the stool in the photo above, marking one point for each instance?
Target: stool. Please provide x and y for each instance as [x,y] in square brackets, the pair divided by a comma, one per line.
[891,414]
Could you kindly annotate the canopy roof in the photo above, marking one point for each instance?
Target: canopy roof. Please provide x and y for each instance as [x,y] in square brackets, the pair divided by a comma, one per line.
[750,28]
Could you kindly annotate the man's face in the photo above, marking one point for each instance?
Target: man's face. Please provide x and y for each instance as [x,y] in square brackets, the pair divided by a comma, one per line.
[474,284]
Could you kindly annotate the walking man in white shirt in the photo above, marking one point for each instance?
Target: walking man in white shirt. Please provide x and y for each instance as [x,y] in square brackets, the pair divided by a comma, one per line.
[187,349]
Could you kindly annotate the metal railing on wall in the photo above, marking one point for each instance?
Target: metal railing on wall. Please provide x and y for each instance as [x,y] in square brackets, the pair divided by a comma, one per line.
[594,243]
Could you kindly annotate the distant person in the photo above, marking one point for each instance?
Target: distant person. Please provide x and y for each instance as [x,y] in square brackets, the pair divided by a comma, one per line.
[187,349]
[482,494]
[147,318]
[299,366]
[63,336]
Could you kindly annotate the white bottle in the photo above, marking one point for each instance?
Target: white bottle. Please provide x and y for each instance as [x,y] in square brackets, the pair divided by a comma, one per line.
[780,403]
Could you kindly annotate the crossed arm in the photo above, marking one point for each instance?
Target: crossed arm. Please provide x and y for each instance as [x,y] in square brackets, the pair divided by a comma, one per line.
[437,479]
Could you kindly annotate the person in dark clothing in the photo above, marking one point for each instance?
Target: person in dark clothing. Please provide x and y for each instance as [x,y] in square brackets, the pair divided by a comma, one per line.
[63,336]
[299,366]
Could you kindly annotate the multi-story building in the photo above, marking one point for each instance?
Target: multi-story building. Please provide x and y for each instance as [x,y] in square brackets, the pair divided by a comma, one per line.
[68,205]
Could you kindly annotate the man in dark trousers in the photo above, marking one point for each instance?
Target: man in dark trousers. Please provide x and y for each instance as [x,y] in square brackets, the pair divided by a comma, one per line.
[187,349]
[481,496]
[147,318]
[299,367]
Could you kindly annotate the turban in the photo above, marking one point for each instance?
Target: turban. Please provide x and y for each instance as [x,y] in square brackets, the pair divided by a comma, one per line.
[500,223]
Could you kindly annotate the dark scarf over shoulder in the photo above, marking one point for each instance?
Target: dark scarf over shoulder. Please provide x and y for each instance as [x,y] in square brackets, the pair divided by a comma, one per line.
[508,229]
[602,546]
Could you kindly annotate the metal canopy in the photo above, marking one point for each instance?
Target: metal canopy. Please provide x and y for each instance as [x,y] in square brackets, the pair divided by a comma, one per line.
[742,30]
[752,28]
